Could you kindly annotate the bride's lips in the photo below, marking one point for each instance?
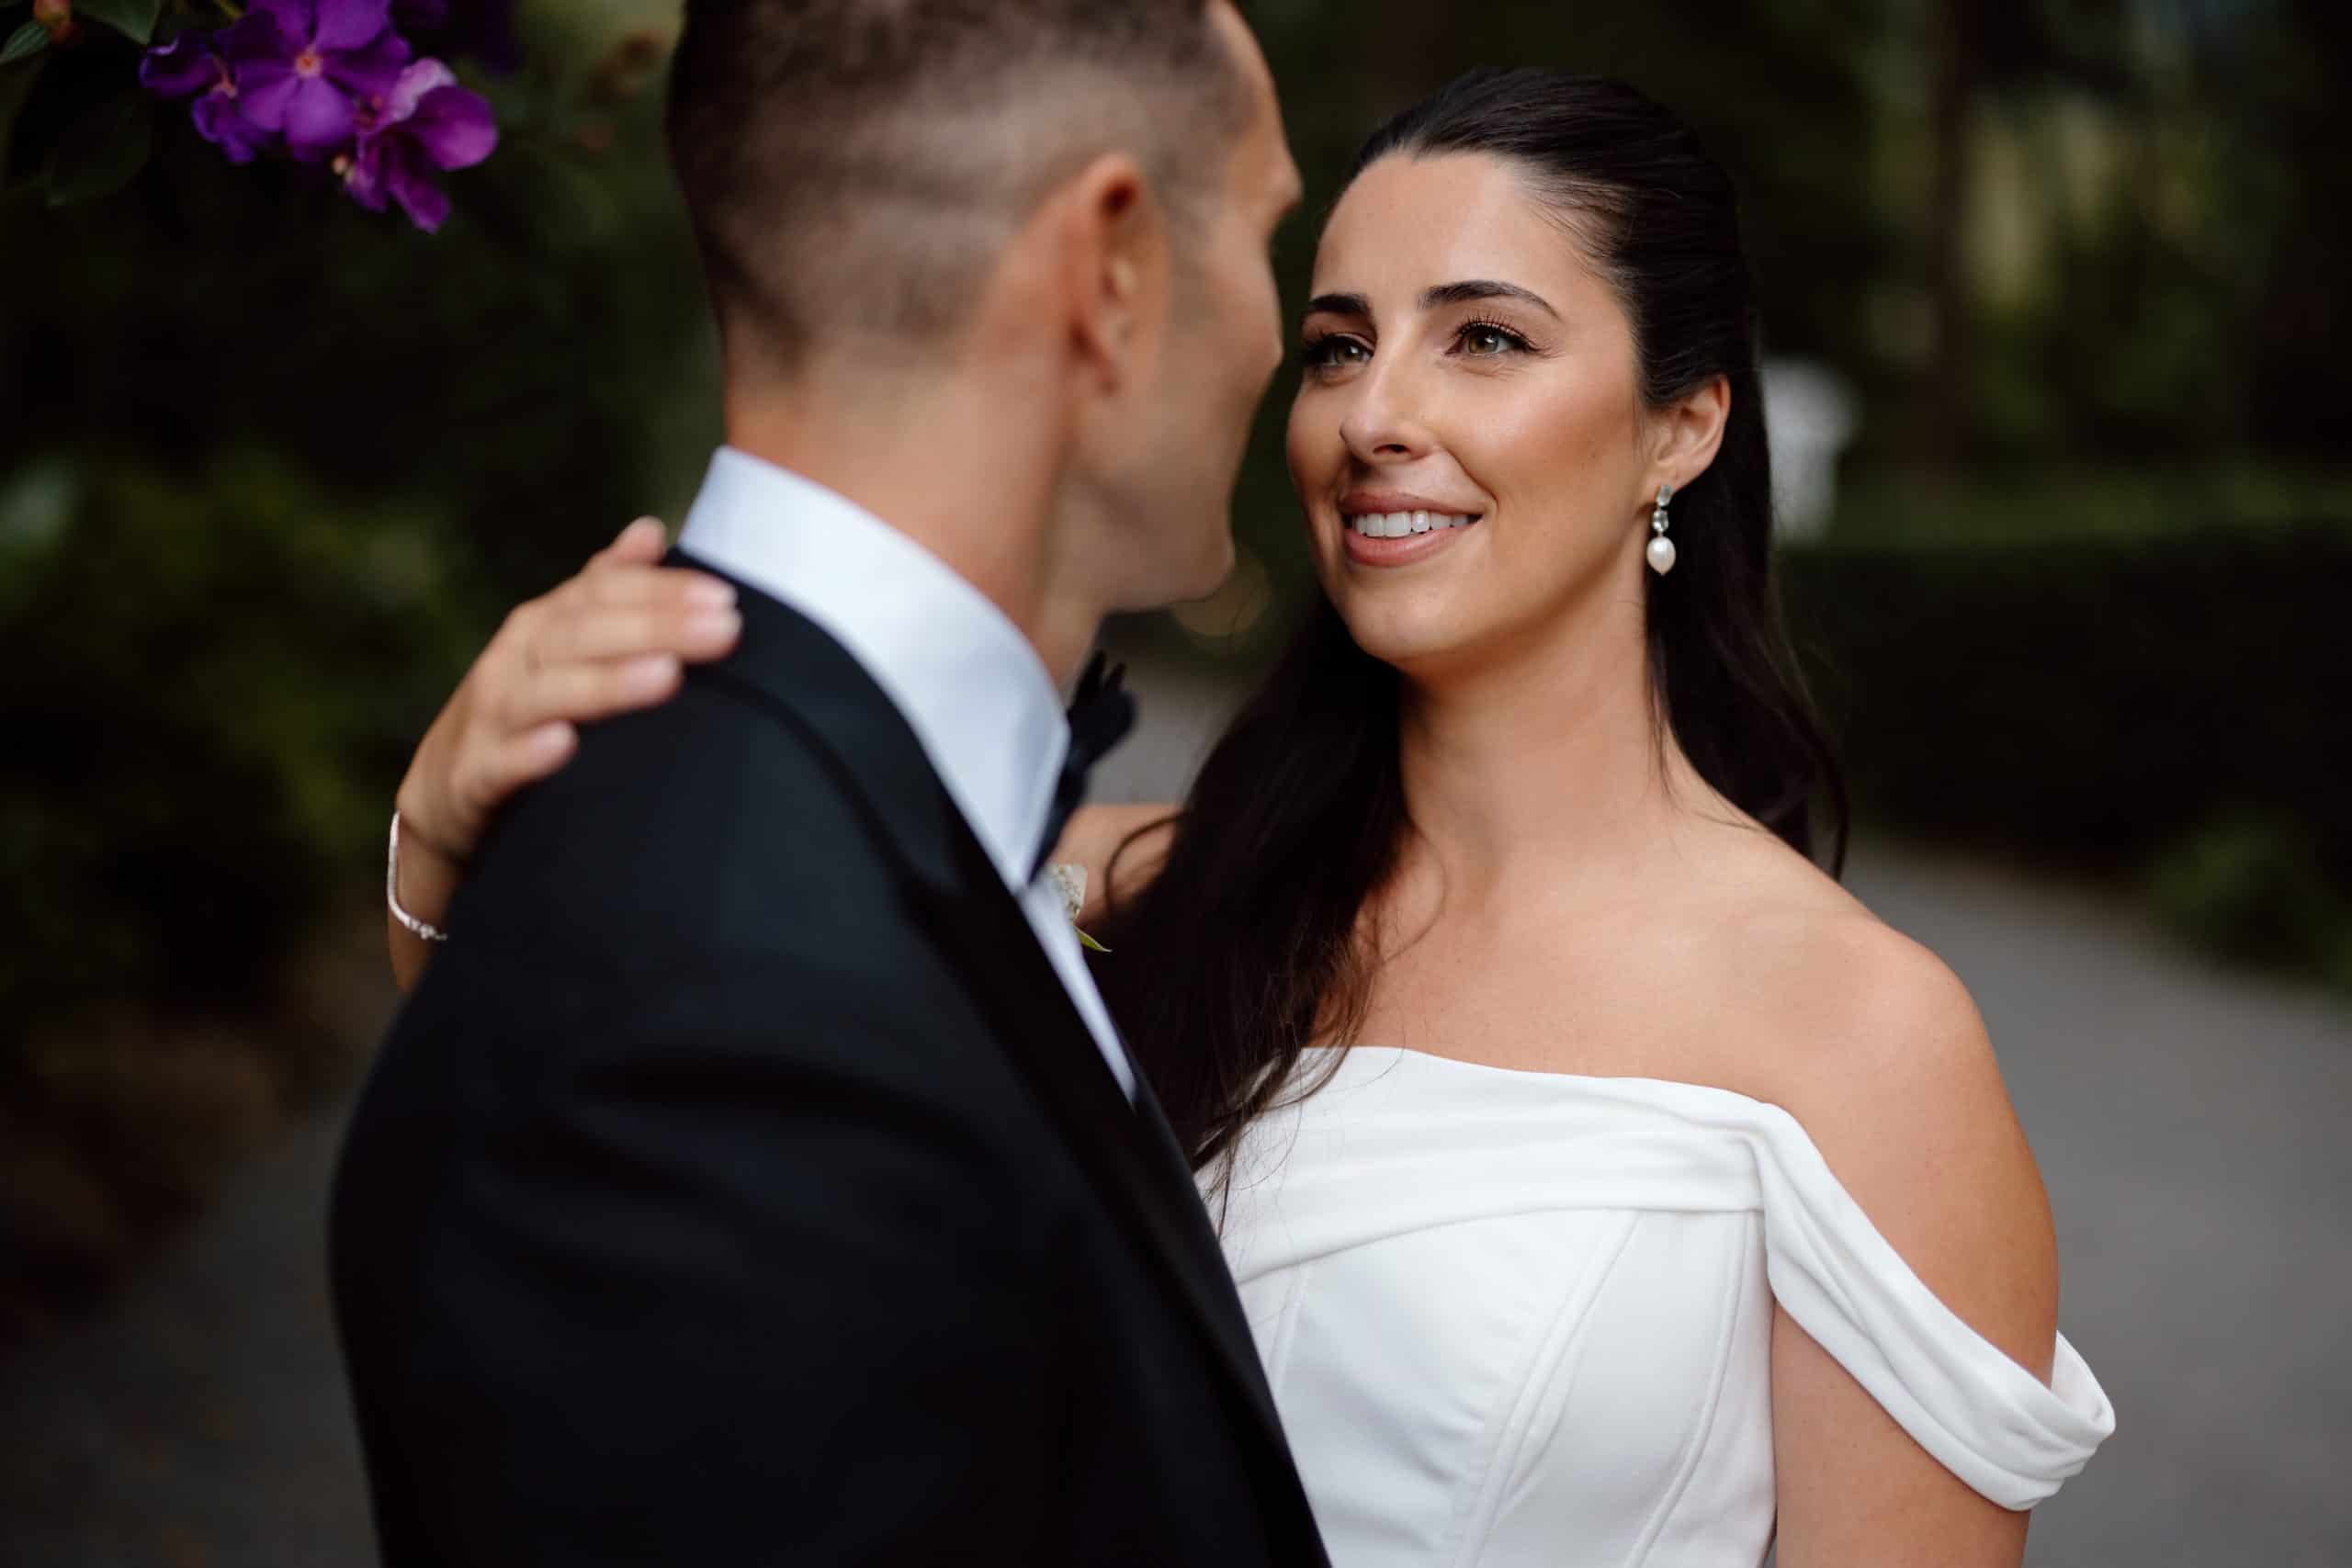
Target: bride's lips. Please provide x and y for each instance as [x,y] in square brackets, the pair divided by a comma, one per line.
[1369,519]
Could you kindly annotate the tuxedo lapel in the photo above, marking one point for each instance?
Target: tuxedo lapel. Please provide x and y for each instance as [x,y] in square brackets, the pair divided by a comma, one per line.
[810,682]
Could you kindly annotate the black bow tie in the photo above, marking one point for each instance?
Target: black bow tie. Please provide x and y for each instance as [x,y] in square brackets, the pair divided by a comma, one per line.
[1100,717]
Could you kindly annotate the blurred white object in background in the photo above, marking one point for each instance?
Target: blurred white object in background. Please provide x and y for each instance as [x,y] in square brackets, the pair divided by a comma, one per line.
[1809,415]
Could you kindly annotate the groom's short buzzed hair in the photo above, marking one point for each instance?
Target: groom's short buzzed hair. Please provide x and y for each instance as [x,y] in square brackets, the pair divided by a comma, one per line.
[856,166]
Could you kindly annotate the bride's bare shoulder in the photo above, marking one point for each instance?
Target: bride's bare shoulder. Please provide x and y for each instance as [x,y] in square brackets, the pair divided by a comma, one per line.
[1876,1048]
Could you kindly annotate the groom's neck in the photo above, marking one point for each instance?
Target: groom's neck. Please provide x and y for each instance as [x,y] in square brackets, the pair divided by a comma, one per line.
[955,467]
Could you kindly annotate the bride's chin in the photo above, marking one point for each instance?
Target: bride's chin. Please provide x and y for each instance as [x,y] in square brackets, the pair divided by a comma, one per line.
[1400,638]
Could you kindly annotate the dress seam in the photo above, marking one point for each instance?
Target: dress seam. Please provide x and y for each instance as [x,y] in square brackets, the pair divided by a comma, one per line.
[1703,1431]
[1277,1356]
[1574,1314]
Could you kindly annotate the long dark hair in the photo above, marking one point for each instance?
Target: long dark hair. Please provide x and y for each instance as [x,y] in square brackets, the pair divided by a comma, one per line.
[1246,947]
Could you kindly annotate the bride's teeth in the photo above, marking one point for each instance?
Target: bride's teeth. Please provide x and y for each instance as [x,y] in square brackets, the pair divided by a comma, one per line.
[1398,524]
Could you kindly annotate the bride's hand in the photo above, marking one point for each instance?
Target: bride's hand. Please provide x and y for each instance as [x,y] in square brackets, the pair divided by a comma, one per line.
[610,640]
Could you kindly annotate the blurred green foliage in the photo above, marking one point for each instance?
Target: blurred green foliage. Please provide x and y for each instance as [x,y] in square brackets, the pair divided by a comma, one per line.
[2254,886]
[2166,708]
[229,660]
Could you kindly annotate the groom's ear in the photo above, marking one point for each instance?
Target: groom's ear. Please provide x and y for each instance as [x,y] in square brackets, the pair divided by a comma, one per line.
[1115,256]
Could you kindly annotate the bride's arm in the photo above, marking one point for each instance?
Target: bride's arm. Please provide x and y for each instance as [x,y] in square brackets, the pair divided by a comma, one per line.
[1898,1086]
[609,640]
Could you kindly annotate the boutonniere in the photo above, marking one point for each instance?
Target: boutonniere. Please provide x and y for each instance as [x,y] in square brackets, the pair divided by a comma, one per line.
[1072,880]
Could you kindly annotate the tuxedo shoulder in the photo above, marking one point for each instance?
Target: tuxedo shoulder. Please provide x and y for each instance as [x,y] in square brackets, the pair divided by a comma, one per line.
[700,824]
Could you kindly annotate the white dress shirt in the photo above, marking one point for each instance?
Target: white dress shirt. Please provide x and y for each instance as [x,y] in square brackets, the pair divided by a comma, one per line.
[961,674]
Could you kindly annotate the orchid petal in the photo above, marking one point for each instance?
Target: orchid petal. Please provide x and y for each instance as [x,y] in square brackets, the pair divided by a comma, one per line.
[425,203]
[370,73]
[181,67]
[265,88]
[365,178]
[415,81]
[221,120]
[258,36]
[317,119]
[453,128]
[298,19]
[351,23]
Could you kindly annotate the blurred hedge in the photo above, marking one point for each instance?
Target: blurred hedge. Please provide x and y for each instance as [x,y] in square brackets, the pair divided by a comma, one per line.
[2172,708]
[217,671]
[228,668]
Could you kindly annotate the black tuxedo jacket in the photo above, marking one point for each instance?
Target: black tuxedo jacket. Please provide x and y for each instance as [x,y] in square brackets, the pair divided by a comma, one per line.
[741,1187]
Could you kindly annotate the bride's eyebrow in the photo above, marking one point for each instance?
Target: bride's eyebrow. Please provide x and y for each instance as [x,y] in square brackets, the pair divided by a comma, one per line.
[1477,289]
[1340,305]
[1435,299]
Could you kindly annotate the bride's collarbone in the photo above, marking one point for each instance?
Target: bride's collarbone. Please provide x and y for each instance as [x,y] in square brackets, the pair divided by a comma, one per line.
[1711,990]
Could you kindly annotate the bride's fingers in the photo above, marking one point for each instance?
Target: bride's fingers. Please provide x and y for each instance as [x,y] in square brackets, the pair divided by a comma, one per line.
[530,757]
[582,690]
[632,583]
[642,543]
[489,771]
[629,587]
[690,631]
[619,612]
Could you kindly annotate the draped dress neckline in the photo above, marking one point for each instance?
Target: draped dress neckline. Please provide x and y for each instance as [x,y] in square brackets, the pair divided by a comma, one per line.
[1419,1192]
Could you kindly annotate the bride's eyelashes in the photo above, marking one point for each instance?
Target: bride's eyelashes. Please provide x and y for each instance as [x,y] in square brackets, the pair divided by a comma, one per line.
[1482,339]
[1326,352]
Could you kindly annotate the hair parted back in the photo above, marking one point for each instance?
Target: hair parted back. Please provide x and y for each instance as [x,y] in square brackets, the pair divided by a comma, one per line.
[1247,947]
[857,165]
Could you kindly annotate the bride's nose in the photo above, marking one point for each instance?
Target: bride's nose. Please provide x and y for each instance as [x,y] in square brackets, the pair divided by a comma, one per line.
[1380,428]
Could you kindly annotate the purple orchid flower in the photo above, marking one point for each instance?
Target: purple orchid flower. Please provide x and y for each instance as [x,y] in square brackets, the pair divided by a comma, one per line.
[310,68]
[193,65]
[428,124]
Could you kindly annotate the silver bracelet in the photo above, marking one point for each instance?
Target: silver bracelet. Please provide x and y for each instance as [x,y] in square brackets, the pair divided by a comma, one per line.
[392,891]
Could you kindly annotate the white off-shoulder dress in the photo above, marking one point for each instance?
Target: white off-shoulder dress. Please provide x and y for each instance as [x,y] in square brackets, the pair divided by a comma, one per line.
[1517,1318]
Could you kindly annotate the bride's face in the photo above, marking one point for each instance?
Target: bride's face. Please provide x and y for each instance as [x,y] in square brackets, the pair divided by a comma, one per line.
[1464,360]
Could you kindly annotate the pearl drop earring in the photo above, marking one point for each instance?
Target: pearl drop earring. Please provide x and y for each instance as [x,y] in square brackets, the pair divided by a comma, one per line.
[1661,548]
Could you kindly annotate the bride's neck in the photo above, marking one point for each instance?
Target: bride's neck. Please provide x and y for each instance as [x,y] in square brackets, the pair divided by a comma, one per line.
[1548,757]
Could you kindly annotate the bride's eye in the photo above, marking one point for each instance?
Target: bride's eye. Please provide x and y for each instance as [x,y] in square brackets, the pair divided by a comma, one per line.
[1485,340]
[1333,351]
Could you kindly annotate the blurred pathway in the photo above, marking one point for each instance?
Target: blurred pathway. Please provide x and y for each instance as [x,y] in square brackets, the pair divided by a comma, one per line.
[2189,1124]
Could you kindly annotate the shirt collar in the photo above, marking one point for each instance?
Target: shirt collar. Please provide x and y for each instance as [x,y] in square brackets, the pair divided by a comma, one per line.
[967,682]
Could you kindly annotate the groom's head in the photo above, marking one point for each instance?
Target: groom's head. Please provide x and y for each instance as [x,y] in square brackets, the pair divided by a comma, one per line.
[1068,201]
